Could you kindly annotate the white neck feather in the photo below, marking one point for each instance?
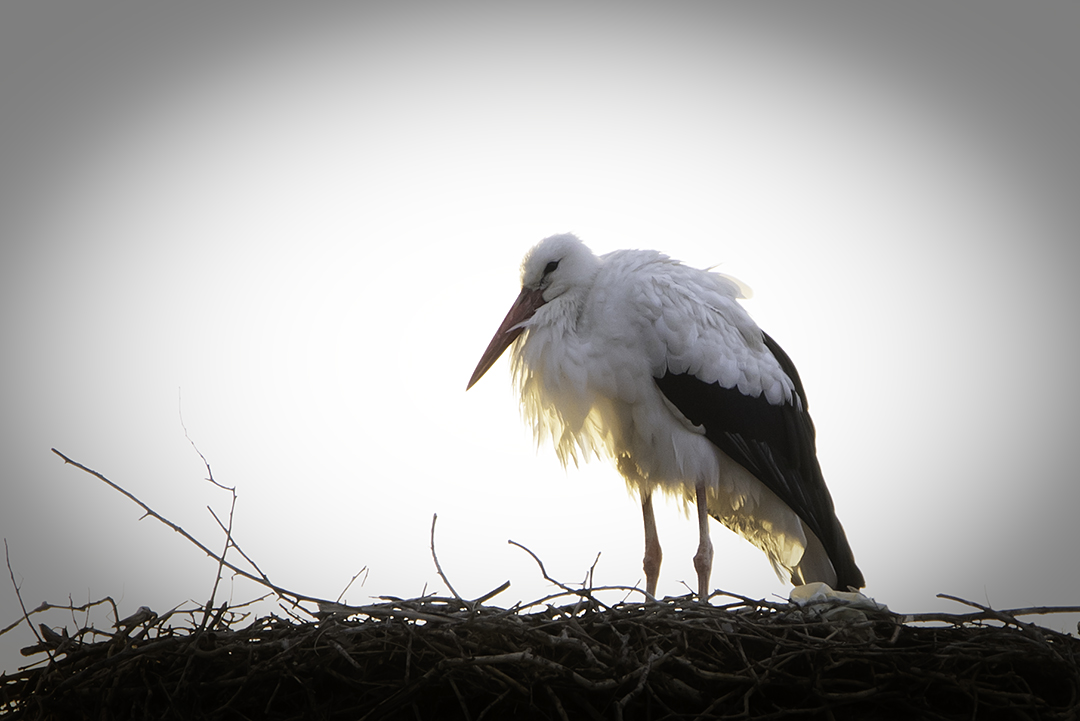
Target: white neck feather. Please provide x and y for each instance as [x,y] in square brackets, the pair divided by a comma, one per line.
[550,373]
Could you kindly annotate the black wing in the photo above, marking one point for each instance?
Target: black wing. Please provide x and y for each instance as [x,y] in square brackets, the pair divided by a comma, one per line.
[773,442]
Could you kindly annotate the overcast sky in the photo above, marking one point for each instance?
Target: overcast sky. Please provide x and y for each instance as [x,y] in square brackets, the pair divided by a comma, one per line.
[299,226]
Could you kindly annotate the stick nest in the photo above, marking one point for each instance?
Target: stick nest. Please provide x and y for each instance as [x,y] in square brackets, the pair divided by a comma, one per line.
[443,658]
[567,656]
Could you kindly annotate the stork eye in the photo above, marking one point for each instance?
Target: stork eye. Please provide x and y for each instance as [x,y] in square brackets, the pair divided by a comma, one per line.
[550,267]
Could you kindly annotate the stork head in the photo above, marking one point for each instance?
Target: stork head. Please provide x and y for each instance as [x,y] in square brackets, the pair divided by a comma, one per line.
[555,267]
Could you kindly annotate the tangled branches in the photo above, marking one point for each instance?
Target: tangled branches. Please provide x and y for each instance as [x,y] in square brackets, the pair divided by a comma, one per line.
[445,658]
[564,657]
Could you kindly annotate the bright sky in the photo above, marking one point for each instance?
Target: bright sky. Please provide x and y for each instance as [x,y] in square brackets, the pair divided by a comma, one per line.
[301,228]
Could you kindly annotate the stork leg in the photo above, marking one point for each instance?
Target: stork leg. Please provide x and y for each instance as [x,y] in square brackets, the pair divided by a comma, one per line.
[653,554]
[703,557]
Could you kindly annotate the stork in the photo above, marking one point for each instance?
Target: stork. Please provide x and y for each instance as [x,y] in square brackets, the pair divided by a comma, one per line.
[655,364]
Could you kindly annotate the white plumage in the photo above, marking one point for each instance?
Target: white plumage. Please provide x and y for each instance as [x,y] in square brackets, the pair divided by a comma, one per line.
[656,365]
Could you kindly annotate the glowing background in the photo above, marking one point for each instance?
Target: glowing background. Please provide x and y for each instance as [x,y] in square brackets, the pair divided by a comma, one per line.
[300,227]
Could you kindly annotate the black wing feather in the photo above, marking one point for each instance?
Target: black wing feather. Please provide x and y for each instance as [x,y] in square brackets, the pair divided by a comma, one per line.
[776,443]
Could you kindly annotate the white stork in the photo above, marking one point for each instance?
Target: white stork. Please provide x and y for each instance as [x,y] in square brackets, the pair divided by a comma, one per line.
[656,364]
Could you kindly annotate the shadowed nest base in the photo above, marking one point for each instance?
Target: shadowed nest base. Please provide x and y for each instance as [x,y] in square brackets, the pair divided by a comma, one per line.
[443,658]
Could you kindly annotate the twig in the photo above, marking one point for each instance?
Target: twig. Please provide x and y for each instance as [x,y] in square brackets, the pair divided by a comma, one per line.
[291,596]
[435,517]
[644,672]
[224,551]
[592,569]
[491,594]
[18,594]
[232,543]
[985,613]
[232,511]
[1029,611]
[209,473]
[345,590]
[578,593]
[45,606]
[560,584]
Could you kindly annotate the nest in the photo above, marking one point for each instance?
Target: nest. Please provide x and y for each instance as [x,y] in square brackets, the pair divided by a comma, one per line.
[567,656]
[442,658]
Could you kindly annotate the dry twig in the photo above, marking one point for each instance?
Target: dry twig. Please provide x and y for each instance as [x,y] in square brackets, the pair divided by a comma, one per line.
[435,557]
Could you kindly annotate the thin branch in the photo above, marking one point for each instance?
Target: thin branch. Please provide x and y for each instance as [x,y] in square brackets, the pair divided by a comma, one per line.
[590,594]
[985,613]
[352,580]
[18,594]
[224,552]
[45,606]
[560,584]
[209,473]
[1029,611]
[435,517]
[232,510]
[292,596]
[588,582]
[492,594]
[233,544]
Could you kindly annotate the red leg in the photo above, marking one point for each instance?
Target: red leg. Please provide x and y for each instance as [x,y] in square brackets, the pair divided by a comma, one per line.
[703,557]
[653,554]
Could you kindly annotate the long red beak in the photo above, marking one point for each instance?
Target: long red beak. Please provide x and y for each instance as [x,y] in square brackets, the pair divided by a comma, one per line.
[523,308]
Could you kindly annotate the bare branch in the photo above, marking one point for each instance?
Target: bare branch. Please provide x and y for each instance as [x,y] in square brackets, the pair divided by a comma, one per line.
[543,571]
[588,582]
[291,596]
[225,550]
[435,517]
[985,613]
[209,473]
[492,594]
[18,594]
[352,580]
